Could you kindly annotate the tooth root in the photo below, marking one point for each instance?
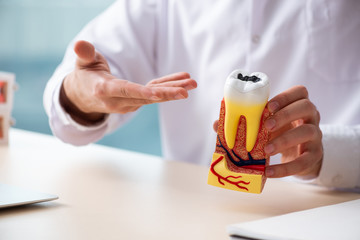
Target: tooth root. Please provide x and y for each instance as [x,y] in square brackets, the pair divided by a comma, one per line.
[252,114]
[232,117]
[253,118]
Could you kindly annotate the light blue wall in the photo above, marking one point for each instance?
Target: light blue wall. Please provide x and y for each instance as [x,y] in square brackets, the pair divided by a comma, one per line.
[33,38]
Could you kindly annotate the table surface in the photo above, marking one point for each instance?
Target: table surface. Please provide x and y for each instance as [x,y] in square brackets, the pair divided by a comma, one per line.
[107,193]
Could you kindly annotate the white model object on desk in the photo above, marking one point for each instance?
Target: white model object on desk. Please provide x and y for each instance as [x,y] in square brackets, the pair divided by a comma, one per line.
[7,88]
[338,221]
[12,196]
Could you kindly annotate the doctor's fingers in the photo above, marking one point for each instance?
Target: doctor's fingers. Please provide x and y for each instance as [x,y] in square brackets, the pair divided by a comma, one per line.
[88,58]
[171,77]
[287,97]
[187,84]
[216,125]
[307,164]
[128,90]
[302,134]
[118,88]
[303,110]
[123,105]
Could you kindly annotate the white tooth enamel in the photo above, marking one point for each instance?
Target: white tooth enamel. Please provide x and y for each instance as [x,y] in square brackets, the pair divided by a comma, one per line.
[244,98]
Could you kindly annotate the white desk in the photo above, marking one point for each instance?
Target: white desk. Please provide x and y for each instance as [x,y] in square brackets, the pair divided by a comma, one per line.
[108,193]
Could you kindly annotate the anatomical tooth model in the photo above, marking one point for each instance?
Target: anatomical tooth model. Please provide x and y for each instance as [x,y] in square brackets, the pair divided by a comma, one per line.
[239,160]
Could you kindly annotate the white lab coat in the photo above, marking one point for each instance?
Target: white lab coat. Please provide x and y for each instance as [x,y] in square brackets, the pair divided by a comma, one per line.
[312,43]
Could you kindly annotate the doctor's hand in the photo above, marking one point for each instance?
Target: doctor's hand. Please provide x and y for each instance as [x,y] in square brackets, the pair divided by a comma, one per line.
[295,133]
[91,91]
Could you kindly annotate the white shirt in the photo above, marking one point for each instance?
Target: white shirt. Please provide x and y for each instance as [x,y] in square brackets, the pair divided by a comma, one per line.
[312,43]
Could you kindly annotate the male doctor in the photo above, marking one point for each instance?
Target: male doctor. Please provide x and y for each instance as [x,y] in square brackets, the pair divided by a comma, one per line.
[140,52]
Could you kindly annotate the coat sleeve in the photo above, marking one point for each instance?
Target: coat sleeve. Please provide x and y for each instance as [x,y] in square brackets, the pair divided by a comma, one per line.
[341,163]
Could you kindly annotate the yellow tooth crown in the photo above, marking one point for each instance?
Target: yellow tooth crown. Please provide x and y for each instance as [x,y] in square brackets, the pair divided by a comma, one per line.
[248,99]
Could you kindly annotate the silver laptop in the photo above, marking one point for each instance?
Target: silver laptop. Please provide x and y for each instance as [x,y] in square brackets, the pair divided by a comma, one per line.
[11,196]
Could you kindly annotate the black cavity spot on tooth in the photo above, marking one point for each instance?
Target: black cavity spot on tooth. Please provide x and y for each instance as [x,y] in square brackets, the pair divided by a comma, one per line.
[247,78]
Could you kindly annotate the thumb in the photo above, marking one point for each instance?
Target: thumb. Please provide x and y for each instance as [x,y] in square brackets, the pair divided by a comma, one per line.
[216,125]
[85,52]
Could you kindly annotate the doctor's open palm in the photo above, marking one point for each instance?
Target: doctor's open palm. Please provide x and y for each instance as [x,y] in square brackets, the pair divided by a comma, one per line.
[91,91]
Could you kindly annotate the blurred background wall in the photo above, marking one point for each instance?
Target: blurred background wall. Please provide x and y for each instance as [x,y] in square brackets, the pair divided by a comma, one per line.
[33,38]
